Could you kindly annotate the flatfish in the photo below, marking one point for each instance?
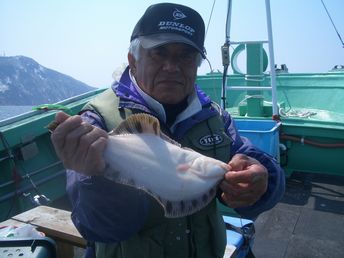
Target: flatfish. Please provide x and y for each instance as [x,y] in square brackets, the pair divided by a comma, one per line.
[182,180]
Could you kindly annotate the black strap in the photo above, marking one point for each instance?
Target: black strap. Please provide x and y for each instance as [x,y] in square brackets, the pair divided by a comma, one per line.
[250,254]
[247,231]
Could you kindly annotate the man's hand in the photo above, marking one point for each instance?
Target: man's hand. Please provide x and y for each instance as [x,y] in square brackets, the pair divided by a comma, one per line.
[245,183]
[79,145]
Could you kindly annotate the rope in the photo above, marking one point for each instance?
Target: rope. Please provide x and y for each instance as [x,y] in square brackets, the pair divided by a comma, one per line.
[250,97]
[295,113]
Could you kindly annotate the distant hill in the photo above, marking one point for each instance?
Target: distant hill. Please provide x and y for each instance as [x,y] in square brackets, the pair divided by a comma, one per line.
[23,81]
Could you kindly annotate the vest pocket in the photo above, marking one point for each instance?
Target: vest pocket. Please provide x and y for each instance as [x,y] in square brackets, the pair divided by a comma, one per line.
[209,233]
[150,248]
[218,235]
[143,245]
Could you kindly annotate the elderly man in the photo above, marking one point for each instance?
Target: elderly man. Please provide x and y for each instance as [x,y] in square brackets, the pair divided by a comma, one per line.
[166,48]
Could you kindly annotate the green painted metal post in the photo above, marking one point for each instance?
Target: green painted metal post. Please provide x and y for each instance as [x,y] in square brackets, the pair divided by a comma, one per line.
[254,61]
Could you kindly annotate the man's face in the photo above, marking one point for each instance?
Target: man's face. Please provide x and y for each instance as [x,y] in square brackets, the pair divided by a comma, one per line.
[166,73]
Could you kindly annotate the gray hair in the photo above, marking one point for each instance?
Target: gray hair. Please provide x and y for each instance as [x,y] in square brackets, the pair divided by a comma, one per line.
[134,48]
[135,45]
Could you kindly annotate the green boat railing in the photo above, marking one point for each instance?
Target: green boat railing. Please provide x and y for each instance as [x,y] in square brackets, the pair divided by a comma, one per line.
[311,142]
[28,162]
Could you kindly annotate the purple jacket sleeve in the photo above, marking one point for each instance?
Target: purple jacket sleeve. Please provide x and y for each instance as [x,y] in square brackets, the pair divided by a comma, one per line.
[276,183]
[102,210]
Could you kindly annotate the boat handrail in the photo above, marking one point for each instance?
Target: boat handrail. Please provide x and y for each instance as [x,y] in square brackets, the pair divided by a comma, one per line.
[67,101]
[269,41]
[249,42]
[249,88]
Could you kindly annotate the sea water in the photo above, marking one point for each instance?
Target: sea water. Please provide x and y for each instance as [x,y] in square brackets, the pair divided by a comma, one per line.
[10,111]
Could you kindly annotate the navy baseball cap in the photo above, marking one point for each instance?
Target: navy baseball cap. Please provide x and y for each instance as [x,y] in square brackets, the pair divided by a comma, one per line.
[170,23]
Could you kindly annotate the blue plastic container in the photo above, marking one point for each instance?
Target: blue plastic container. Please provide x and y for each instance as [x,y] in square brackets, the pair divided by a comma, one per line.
[262,133]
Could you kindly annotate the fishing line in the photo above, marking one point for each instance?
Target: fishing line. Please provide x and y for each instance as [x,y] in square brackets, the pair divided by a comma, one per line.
[334,26]
[206,32]
[211,68]
[12,165]
[211,15]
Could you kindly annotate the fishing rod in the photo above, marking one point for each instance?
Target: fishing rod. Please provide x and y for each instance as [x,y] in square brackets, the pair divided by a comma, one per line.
[225,54]
[334,26]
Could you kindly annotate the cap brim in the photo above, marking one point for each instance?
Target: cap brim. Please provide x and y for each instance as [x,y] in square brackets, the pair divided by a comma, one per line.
[156,40]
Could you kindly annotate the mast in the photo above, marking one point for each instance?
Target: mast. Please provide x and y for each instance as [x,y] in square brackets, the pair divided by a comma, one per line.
[226,61]
[272,60]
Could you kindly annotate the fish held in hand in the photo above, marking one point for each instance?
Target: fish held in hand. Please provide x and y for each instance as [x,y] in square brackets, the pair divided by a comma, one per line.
[138,154]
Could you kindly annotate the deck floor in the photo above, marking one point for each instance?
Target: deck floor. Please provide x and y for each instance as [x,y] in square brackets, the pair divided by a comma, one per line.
[308,222]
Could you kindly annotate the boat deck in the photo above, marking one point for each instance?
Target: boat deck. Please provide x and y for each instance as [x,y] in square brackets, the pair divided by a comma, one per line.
[308,222]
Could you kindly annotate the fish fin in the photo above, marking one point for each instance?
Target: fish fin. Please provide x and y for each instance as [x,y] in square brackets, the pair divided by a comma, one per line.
[168,139]
[187,148]
[182,208]
[142,123]
[172,209]
[138,123]
[176,209]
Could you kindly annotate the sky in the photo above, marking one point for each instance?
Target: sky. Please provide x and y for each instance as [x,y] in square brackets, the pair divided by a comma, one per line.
[89,39]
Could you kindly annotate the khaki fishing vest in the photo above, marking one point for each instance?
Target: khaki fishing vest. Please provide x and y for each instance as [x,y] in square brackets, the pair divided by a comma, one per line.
[200,235]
